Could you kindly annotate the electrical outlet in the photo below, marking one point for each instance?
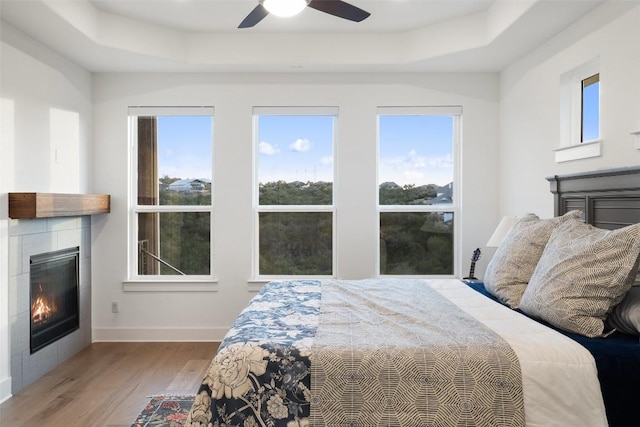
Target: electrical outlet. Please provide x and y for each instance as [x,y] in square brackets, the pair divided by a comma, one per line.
[114,307]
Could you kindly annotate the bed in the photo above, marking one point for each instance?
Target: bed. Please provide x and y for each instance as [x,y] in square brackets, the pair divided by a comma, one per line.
[419,352]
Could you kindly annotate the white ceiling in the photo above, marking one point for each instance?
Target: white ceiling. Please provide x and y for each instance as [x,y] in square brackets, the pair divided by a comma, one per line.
[202,35]
[224,15]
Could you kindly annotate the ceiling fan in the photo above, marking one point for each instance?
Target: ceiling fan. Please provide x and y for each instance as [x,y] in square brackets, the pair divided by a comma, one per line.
[337,8]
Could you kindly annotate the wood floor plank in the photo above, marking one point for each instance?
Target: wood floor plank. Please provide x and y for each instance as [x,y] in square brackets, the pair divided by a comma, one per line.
[108,384]
[189,377]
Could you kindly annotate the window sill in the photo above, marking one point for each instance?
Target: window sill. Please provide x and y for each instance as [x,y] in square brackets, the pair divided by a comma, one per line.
[193,285]
[636,137]
[584,150]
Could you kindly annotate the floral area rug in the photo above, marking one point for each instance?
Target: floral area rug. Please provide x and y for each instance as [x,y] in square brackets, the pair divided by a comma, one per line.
[165,411]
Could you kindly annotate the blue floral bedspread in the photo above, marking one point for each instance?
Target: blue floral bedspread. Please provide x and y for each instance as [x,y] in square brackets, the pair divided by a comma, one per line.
[386,349]
[261,373]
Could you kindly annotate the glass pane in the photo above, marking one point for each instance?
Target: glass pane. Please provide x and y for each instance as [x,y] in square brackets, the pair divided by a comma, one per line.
[416,160]
[174,160]
[174,243]
[295,160]
[591,108]
[296,243]
[416,243]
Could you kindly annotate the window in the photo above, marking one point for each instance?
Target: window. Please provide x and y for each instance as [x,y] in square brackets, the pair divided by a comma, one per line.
[590,109]
[580,113]
[171,195]
[416,189]
[294,191]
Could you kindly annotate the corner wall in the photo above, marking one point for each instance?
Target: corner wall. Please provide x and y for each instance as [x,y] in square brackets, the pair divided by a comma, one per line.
[45,145]
[530,106]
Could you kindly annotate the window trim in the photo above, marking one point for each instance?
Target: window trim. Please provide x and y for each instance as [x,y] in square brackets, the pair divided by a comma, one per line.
[163,283]
[256,277]
[571,89]
[451,110]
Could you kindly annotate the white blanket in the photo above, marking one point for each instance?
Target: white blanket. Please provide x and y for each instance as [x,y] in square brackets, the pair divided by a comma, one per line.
[560,378]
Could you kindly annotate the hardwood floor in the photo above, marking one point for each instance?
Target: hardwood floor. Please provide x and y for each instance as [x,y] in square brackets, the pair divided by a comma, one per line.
[107,384]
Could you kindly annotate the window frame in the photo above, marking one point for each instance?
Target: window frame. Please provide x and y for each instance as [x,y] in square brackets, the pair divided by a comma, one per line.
[157,282]
[572,146]
[456,113]
[257,208]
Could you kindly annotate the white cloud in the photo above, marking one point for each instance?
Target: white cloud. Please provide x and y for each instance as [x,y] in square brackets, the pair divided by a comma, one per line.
[415,161]
[413,168]
[300,145]
[411,176]
[326,161]
[441,162]
[268,149]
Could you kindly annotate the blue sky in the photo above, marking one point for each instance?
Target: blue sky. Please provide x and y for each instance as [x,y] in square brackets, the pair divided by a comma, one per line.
[295,148]
[416,149]
[591,112]
[185,154]
[413,149]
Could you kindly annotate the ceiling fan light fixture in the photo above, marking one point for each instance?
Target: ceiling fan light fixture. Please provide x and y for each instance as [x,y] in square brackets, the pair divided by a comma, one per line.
[284,8]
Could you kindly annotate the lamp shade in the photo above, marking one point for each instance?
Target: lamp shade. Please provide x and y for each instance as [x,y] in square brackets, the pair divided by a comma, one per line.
[501,230]
[284,8]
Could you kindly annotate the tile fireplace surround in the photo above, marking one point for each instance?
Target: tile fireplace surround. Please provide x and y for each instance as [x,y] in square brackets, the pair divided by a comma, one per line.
[29,237]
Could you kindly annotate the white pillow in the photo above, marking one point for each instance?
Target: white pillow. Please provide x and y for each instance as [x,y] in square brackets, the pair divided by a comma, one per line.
[583,273]
[516,258]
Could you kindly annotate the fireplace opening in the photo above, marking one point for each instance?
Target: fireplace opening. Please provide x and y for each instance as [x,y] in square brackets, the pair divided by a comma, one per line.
[54,280]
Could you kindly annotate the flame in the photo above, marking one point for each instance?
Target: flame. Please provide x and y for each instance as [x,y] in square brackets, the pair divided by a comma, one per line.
[41,308]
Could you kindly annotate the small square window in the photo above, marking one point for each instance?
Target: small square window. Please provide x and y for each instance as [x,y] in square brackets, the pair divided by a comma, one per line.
[416,243]
[296,243]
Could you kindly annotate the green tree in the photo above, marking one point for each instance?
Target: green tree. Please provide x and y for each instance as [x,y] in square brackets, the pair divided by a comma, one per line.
[281,193]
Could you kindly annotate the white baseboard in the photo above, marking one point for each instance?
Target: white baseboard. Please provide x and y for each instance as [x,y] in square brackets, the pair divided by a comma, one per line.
[158,334]
[5,389]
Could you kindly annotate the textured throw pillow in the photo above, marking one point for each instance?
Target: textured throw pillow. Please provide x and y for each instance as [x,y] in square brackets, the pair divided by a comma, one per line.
[516,258]
[583,273]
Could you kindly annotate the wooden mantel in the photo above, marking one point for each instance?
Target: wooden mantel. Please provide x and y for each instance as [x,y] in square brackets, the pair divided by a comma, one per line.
[49,205]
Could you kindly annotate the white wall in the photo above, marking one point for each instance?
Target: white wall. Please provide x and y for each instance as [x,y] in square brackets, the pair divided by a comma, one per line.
[530,107]
[184,315]
[5,351]
[45,106]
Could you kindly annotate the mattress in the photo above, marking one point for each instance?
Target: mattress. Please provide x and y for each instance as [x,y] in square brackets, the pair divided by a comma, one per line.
[617,358]
[286,363]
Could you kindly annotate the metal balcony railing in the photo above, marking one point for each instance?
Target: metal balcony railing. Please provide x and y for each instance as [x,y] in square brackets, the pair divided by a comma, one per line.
[143,266]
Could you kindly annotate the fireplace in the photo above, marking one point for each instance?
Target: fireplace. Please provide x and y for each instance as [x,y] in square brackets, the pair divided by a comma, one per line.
[53,296]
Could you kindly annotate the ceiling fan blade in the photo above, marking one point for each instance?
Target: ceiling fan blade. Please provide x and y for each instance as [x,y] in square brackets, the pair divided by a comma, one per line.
[340,9]
[255,16]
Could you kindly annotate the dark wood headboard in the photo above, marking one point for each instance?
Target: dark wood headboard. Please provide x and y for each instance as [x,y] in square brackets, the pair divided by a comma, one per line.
[609,198]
